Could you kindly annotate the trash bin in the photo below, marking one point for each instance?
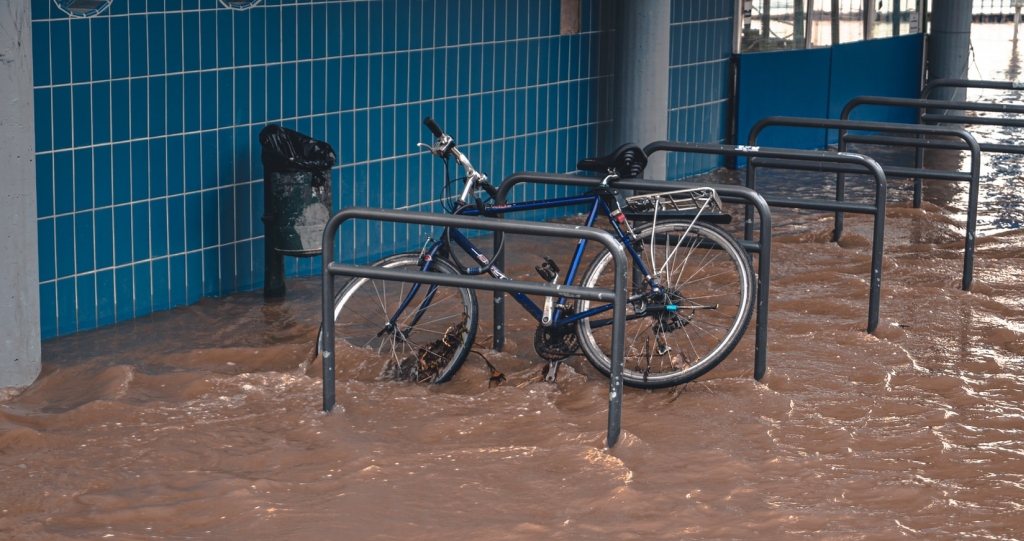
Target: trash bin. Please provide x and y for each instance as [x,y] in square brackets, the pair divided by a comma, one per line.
[296,190]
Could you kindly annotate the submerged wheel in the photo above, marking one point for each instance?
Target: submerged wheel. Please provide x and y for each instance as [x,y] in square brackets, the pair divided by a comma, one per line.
[430,337]
[709,289]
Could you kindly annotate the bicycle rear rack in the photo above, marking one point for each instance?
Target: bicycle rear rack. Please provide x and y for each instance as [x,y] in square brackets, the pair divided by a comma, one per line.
[618,295]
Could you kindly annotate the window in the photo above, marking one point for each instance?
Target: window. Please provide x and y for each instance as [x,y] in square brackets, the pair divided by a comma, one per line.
[770,25]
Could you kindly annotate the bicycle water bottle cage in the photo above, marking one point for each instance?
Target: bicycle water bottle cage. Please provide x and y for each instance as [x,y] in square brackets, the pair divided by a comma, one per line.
[627,161]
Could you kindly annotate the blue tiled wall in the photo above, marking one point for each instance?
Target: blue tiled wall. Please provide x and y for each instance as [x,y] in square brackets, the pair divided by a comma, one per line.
[147,115]
[700,48]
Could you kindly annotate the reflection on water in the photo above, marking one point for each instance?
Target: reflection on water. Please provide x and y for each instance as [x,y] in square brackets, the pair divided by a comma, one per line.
[202,423]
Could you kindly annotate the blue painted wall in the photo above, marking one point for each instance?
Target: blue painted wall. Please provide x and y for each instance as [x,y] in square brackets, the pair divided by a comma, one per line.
[149,178]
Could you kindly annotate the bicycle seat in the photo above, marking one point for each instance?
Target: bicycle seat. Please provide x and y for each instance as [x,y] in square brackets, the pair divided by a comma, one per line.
[628,161]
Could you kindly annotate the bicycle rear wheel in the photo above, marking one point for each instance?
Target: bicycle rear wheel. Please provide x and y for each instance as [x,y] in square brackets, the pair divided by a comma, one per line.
[399,331]
[709,295]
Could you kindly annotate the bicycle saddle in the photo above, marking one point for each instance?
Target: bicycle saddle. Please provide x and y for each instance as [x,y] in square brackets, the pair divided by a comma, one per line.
[628,161]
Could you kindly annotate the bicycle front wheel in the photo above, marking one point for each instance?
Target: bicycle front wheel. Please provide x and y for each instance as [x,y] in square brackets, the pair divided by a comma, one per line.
[399,331]
[708,298]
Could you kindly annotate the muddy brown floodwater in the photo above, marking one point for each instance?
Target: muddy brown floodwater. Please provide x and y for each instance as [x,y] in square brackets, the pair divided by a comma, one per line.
[201,423]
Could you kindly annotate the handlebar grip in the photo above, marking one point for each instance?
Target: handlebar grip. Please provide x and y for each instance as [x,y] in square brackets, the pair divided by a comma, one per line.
[433,127]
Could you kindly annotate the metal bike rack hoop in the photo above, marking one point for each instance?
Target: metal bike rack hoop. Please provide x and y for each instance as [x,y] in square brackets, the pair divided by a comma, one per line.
[729,193]
[618,296]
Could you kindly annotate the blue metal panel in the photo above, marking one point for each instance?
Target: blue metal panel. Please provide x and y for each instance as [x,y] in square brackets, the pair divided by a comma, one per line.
[880,67]
[790,83]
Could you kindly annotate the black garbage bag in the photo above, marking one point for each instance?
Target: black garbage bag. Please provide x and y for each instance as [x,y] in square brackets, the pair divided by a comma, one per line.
[288,151]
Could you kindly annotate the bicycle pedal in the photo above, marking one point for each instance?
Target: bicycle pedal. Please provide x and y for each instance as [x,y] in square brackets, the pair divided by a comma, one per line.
[546,273]
[551,264]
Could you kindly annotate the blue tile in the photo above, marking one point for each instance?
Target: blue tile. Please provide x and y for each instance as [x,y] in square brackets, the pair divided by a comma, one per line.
[60,46]
[120,102]
[227,269]
[85,253]
[225,40]
[48,309]
[83,179]
[193,162]
[67,316]
[225,94]
[143,289]
[347,28]
[193,221]
[349,80]
[139,108]
[80,51]
[256,225]
[157,106]
[360,139]
[207,40]
[362,28]
[208,100]
[288,36]
[174,104]
[161,285]
[376,27]
[332,29]
[192,90]
[137,42]
[258,94]
[225,157]
[40,54]
[140,231]
[178,281]
[209,218]
[158,224]
[226,215]
[63,181]
[44,185]
[122,234]
[105,297]
[273,92]
[272,38]
[174,39]
[157,44]
[119,47]
[175,165]
[140,170]
[242,93]
[61,103]
[243,266]
[241,36]
[157,167]
[306,31]
[176,224]
[211,272]
[303,93]
[194,270]
[289,95]
[100,121]
[47,250]
[242,211]
[64,236]
[257,33]
[191,59]
[241,154]
[43,119]
[122,178]
[319,87]
[104,235]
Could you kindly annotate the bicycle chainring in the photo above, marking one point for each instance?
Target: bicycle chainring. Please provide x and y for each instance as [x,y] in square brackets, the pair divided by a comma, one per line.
[555,344]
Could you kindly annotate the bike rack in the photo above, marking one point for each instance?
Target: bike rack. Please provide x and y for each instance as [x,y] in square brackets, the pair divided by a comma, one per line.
[728,193]
[844,124]
[922,117]
[618,296]
[799,159]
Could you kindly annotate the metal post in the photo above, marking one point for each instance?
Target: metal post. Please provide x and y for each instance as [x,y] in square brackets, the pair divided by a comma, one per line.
[1017,4]
[869,18]
[896,17]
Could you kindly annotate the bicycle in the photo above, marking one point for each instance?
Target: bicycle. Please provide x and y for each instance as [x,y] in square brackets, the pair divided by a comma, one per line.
[691,298]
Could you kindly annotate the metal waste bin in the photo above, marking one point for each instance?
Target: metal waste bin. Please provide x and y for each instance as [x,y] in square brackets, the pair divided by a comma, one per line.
[296,199]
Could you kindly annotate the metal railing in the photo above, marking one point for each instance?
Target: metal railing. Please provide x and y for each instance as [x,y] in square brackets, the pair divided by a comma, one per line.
[618,296]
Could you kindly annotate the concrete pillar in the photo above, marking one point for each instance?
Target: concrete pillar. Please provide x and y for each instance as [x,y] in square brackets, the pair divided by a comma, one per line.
[640,105]
[20,357]
[949,46]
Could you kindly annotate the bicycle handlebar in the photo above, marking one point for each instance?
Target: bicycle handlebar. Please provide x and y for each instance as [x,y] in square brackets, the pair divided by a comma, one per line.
[445,146]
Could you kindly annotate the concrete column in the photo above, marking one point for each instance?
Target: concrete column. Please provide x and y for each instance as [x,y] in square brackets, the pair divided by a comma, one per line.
[20,358]
[949,46]
[640,105]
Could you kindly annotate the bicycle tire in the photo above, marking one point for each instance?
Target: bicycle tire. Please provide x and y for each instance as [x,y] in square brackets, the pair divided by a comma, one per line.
[364,306]
[710,280]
